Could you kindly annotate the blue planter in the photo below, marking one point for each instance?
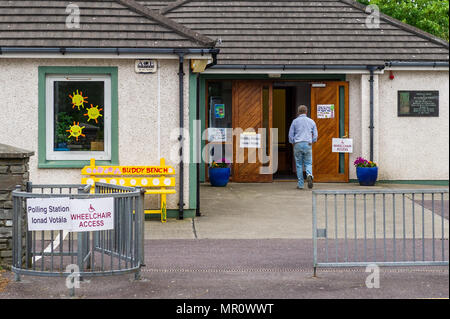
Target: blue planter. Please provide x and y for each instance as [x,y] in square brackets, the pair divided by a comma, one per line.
[219,176]
[367,176]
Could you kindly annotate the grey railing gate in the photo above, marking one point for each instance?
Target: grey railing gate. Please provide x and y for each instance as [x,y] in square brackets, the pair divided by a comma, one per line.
[96,253]
[403,227]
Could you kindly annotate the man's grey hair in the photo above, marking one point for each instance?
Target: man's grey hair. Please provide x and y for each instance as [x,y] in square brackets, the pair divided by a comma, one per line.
[302,109]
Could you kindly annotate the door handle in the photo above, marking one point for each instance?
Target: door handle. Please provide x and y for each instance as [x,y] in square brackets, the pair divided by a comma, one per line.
[345,136]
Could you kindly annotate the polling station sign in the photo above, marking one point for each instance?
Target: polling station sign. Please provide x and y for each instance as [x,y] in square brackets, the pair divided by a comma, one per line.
[63,213]
[49,213]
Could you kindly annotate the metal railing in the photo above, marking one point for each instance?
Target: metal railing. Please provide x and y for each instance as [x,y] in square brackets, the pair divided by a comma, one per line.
[96,253]
[404,227]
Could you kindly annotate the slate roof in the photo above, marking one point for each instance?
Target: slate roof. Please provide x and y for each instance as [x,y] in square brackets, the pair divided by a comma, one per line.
[326,32]
[249,33]
[103,23]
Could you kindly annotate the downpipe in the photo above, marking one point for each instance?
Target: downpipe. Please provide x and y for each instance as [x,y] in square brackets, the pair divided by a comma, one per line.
[371,69]
[181,136]
[371,127]
[197,150]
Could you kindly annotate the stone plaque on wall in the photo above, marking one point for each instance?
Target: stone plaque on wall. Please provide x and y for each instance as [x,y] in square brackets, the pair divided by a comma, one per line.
[418,103]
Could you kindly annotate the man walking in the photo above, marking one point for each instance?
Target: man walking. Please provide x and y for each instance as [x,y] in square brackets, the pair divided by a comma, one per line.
[302,134]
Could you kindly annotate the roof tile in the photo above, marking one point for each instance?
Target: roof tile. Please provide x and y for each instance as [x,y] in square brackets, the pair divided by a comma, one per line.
[103,23]
[305,32]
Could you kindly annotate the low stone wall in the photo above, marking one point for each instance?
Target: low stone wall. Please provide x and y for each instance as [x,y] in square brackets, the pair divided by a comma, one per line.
[13,171]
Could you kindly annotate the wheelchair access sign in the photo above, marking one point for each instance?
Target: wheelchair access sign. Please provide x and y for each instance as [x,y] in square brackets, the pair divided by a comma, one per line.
[342,145]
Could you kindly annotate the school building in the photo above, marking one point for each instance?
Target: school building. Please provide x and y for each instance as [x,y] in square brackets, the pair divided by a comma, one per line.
[127,82]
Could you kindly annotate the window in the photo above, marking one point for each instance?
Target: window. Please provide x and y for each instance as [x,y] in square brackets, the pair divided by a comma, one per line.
[80,116]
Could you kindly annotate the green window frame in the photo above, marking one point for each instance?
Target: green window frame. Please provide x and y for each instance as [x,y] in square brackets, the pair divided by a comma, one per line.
[44,72]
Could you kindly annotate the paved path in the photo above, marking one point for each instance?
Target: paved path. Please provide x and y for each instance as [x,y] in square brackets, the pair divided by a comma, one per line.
[252,241]
[279,210]
[240,269]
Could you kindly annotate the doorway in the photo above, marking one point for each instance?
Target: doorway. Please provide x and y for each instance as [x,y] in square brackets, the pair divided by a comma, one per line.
[272,104]
[287,96]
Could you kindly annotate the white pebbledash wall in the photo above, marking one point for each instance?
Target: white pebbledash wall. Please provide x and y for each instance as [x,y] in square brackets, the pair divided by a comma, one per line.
[138,114]
[405,148]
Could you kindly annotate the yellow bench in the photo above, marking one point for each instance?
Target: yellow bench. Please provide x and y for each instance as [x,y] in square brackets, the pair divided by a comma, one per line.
[157,180]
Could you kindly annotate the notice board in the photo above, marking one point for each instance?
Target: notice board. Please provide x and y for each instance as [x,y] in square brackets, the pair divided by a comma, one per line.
[418,103]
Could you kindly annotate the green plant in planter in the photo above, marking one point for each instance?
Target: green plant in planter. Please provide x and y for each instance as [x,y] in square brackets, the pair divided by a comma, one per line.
[223,164]
[63,122]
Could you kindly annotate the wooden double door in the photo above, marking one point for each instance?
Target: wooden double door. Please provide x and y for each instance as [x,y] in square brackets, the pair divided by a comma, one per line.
[252,110]
[329,166]
[252,116]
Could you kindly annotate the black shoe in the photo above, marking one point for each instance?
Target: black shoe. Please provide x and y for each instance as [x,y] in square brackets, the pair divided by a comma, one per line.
[309,179]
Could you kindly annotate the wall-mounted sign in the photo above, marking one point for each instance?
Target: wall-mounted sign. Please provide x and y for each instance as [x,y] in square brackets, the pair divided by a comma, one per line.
[217,134]
[70,214]
[145,66]
[219,111]
[250,140]
[342,145]
[325,111]
[418,103]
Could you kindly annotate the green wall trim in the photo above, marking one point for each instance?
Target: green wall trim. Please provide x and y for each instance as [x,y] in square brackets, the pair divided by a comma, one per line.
[411,182]
[192,118]
[172,213]
[43,71]
[73,164]
[202,97]
[205,77]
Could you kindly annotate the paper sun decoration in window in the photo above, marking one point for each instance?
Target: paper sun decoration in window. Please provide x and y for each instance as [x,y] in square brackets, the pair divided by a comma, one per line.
[93,113]
[75,130]
[78,99]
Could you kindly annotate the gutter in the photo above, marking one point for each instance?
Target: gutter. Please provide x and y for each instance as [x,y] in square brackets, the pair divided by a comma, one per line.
[291,67]
[410,63]
[117,51]
[327,66]
[214,53]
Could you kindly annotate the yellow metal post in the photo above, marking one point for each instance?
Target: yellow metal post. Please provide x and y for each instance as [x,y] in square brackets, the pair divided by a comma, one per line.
[163,208]
[92,165]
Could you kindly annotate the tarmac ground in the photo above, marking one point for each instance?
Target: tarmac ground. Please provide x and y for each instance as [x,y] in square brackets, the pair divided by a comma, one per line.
[253,241]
